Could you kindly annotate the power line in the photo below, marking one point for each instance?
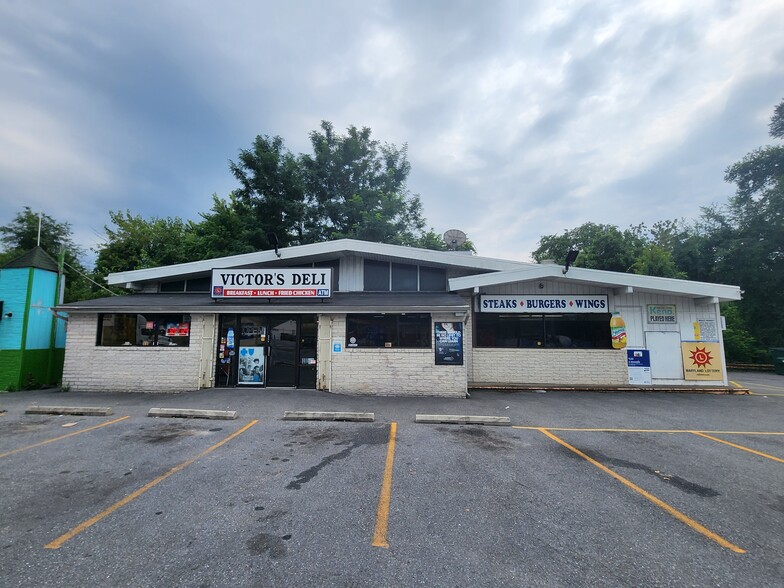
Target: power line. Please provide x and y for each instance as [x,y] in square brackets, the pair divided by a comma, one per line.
[89,279]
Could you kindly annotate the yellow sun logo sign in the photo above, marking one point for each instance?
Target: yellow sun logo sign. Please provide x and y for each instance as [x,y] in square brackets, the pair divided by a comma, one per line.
[701,357]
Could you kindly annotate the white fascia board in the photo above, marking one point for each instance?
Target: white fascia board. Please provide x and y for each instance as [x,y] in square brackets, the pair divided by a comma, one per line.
[298,252]
[601,278]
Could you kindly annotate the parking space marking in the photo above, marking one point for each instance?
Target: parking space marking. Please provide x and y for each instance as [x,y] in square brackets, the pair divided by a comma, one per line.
[601,430]
[778,388]
[57,543]
[741,447]
[382,512]
[661,504]
[34,445]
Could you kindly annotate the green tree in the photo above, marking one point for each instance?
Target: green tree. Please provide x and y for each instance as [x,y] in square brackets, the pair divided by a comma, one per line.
[136,243]
[655,260]
[356,188]
[223,231]
[21,235]
[270,198]
[603,247]
[751,250]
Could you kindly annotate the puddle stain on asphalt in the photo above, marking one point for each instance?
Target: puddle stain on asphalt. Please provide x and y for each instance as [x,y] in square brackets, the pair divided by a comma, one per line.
[170,432]
[263,543]
[352,440]
[675,481]
[778,504]
[478,436]
[13,428]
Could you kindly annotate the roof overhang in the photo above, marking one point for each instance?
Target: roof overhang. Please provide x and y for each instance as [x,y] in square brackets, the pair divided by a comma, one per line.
[621,283]
[340,303]
[315,252]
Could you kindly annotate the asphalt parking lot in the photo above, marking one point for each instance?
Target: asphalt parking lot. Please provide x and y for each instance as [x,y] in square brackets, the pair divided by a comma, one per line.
[584,489]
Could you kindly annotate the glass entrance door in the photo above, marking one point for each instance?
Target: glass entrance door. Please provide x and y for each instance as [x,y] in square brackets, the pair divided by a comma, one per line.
[283,356]
[252,351]
[266,350]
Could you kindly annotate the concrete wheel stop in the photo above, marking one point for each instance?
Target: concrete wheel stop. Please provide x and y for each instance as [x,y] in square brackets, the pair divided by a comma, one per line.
[454,419]
[314,415]
[193,413]
[71,410]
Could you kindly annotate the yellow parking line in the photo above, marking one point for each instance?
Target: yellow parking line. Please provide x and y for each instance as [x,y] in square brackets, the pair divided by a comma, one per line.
[779,388]
[602,430]
[57,543]
[741,447]
[382,513]
[33,446]
[661,504]
[736,384]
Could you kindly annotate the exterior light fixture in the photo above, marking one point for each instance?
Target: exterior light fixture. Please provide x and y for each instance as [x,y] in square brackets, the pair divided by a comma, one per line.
[570,257]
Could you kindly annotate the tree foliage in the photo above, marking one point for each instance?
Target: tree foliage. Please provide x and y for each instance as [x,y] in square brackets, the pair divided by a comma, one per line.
[740,242]
[21,235]
[351,186]
[356,188]
[134,242]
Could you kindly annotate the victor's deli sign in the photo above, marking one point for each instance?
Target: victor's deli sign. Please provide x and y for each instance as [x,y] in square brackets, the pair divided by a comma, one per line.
[544,304]
[272,283]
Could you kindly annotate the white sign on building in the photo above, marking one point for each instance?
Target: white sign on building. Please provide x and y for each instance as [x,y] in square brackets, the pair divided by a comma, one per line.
[272,283]
[556,303]
[662,314]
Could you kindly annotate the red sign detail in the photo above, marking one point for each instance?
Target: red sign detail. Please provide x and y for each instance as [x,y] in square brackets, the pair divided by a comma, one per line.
[700,357]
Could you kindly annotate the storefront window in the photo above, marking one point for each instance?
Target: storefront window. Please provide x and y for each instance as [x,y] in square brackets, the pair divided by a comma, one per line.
[144,330]
[388,330]
[551,331]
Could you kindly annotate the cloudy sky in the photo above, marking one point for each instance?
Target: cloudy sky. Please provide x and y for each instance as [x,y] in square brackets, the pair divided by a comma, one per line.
[522,118]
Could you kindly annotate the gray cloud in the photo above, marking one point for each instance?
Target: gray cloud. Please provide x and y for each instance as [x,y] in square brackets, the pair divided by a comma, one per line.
[522,119]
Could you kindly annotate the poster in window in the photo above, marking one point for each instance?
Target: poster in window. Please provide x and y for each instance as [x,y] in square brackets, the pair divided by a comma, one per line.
[449,343]
[251,370]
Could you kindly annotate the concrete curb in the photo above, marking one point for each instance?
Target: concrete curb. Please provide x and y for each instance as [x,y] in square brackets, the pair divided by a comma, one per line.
[453,419]
[544,388]
[312,415]
[71,410]
[193,413]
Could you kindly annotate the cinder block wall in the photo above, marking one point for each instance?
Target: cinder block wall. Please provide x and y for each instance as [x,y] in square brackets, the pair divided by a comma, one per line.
[91,368]
[604,367]
[390,372]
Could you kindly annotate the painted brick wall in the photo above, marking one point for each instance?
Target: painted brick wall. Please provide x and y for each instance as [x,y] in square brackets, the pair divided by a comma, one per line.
[386,372]
[552,366]
[130,369]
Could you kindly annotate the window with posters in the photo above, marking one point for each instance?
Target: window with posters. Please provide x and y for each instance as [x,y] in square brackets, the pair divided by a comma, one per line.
[144,330]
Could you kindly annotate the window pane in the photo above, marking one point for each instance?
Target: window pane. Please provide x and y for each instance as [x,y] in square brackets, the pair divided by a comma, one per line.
[582,331]
[376,276]
[178,286]
[144,330]
[404,277]
[198,285]
[432,279]
[510,330]
[412,330]
[369,330]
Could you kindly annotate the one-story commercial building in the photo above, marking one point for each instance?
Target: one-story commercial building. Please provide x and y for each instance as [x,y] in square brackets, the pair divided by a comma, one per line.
[355,317]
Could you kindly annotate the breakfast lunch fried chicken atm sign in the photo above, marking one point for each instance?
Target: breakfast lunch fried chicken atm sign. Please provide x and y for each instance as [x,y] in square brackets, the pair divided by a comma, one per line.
[272,283]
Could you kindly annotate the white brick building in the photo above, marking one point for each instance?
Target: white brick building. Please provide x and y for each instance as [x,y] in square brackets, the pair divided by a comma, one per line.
[354,317]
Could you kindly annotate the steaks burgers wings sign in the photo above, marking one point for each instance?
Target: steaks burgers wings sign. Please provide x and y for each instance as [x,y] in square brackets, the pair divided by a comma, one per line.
[272,283]
[544,304]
